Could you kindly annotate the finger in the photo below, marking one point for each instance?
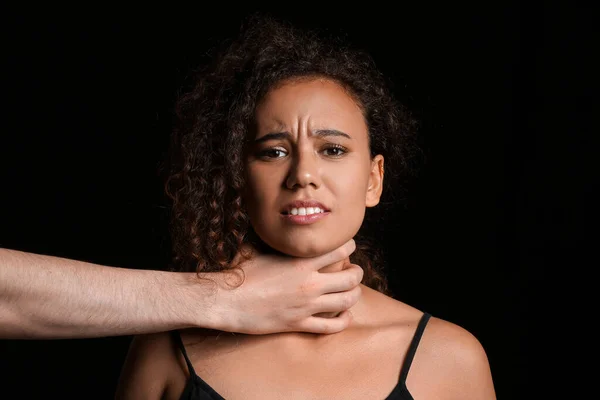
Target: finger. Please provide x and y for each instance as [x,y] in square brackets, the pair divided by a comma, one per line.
[336,302]
[340,281]
[333,256]
[326,325]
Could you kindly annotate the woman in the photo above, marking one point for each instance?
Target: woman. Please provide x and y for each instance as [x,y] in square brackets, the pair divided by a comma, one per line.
[281,146]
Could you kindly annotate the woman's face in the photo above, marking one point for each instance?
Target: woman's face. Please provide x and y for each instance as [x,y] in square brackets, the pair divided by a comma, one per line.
[309,170]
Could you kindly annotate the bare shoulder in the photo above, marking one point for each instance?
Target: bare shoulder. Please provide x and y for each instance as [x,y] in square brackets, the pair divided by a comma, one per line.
[455,360]
[449,362]
[148,367]
[454,344]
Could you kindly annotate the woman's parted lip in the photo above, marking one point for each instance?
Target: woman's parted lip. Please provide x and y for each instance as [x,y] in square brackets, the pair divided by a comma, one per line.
[303,204]
[307,219]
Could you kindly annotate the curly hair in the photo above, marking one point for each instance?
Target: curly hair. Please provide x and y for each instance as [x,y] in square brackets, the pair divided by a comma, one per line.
[206,177]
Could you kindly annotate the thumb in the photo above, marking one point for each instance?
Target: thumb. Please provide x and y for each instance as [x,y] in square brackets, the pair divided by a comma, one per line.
[341,253]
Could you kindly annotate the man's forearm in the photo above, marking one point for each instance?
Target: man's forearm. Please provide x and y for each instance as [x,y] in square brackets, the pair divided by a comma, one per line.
[44,297]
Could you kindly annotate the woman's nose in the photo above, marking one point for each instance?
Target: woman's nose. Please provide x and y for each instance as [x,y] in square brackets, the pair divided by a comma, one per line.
[304,172]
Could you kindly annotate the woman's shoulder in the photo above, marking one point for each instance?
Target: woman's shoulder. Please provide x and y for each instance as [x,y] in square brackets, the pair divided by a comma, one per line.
[452,356]
[446,353]
[386,309]
[148,367]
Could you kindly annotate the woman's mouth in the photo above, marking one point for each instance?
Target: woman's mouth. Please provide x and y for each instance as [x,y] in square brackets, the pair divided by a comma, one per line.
[305,211]
[304,215]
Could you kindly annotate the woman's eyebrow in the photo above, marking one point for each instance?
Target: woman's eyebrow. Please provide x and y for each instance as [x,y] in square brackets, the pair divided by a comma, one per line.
[330,132]
[273,136]
[287,135]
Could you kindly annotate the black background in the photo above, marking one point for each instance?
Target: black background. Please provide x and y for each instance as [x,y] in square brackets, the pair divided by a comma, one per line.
[502,201]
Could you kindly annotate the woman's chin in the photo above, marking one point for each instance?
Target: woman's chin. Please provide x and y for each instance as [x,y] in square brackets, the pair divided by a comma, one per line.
[303,251]
[303,246]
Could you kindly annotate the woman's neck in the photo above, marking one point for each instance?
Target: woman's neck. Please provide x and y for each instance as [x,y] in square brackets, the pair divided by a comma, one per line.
[260,246]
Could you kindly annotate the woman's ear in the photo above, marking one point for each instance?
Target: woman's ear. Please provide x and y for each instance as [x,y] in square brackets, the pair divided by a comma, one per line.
[375,181]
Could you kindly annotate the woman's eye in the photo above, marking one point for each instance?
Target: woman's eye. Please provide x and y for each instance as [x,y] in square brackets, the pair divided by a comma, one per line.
[334,151]
[272,153]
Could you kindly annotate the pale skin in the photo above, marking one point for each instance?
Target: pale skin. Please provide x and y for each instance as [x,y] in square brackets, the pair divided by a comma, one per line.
[364,360]
[45,297]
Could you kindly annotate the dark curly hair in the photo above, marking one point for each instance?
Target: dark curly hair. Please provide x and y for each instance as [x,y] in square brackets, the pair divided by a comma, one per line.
[206,176]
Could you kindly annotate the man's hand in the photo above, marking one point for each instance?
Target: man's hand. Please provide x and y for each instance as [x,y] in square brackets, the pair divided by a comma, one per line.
[283,294]
[47,297]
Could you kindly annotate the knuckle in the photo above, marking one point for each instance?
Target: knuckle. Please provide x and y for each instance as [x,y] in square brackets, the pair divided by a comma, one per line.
[308,287]
[325,328]
[347,301]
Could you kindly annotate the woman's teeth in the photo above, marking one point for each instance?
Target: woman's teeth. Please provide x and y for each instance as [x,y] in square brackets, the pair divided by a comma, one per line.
[305,211]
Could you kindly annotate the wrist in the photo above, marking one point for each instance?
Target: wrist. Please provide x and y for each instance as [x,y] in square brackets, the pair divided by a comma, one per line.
[194,298]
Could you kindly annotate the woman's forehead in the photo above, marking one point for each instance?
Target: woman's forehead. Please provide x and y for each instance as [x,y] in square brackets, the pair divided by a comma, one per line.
[310,105]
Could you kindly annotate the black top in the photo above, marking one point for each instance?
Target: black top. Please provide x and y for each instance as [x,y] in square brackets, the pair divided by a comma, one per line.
[197,389]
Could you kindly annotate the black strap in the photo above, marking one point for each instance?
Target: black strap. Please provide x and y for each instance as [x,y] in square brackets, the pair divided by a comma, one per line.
[177,338]
[405,367]
[413,346]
